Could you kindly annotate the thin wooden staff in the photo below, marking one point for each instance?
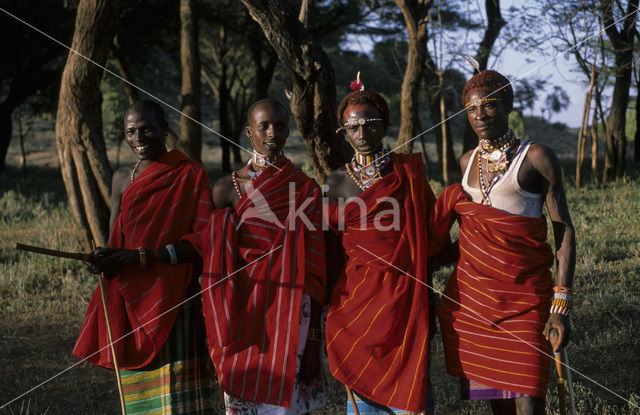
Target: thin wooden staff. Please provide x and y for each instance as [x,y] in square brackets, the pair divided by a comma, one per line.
[80,256]
[353,400]
[572,399]
[561,359]
[560,381]
[113,349]
[90,257]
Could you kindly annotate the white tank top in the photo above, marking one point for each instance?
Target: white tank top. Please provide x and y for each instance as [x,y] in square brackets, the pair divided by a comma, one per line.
[507,195]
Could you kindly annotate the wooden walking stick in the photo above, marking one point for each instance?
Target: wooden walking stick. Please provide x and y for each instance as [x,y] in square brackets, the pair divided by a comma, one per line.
[353,400]
[560,381]
[572,399]
[113,349]
[560,358]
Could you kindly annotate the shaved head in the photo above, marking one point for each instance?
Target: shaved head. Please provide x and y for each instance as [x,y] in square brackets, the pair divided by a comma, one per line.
[270,101]
[149,107]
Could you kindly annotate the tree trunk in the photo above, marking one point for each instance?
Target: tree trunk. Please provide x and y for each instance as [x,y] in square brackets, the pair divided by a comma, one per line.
[31,79]
[83,157]
[6,128]
[263,73]
[636,139]
[190,130]
[616,139]
[416,17]
[132,92]
[595,175]
[225,122]
[443,125]
[123,68]
[432,86]
[582,133]
[436,118]
[494,25]
[314,94]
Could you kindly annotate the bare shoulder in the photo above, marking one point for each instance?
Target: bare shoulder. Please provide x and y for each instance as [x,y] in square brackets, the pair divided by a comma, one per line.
[464,159]
[223,192]
[337,176]
[120,180]
[335,182]
[543,158]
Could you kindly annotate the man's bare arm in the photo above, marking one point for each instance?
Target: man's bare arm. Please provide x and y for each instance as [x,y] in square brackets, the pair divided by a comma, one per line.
[545,162]
[223,193]
[119,183]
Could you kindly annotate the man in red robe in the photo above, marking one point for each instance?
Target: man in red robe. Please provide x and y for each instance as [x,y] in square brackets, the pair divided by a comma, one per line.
[159,207]
[497,312]
[264,277]
[378,323]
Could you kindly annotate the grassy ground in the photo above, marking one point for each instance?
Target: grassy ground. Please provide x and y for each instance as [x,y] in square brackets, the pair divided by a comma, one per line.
[43,300]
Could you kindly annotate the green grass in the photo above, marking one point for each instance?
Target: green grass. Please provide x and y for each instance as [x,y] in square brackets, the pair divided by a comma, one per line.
[43,300]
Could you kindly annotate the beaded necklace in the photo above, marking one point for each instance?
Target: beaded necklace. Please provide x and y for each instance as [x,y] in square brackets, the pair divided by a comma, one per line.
[366,169]
[495,151]
[259,160]
[262,161]
[133,172]
[497,161]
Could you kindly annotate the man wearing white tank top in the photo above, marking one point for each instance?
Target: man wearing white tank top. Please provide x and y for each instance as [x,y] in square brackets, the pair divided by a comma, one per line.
[501,306]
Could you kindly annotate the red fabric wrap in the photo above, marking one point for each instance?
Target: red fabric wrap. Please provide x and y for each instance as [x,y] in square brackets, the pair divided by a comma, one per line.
[168,201]
[258,259]
[496,303]
[378,321]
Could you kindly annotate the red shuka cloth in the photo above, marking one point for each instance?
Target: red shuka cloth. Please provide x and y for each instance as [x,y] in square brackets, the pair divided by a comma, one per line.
[496,303]
[257,262]
[378,321]
[169,200]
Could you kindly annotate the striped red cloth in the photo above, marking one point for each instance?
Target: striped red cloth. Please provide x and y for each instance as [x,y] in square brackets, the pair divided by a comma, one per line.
[496,303]
[169,200]
[258,259]
[378,322]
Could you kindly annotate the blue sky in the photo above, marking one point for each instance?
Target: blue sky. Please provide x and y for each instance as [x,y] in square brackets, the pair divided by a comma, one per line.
[557,69]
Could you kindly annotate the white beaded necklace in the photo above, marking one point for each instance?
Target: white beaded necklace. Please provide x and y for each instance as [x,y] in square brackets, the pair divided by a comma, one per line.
[133,172]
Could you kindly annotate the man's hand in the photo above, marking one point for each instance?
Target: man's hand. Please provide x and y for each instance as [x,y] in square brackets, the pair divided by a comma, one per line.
[557,331]
[111,260]
[310,365]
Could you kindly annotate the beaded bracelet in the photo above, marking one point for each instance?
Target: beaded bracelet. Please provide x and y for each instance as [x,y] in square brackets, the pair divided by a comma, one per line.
[173,255]
[562,301]
[560,308]
[143,256]
[561,289]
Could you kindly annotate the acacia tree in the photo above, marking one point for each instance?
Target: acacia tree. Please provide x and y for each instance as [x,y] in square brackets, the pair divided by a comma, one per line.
[572,23]
[314,97]
[81,149]
[28,72]
[636,138]
[416,19]
[495,23]
[622,41]
[190,139]
[238,65]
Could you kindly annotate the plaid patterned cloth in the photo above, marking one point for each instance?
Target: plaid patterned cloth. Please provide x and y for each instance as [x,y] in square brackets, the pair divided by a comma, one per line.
[179,380]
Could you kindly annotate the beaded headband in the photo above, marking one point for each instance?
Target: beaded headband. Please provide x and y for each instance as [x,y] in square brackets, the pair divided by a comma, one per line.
[480,101]
[359,121]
